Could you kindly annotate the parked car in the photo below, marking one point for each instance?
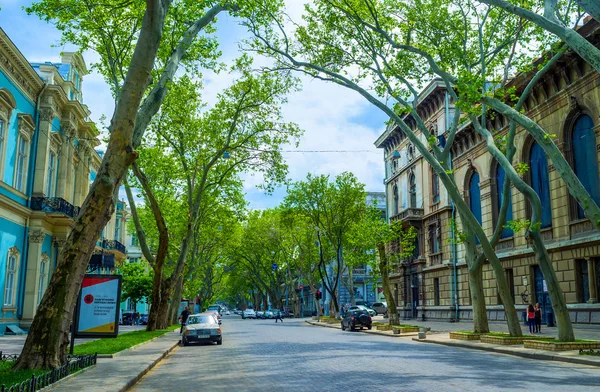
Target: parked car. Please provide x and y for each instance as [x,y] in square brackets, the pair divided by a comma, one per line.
[362,307]
[215,308]
[144,319]
[259,314]
[356,318]
[268,314]
[127,318]
[248,313]
[214,313]
[227,313]
[201,328]
[380,308]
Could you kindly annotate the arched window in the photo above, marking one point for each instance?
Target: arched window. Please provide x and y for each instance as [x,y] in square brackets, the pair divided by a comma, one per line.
[413,191]
[395,210]
[42,279]
[10,279]
[435,187]
[500,178]
[540,182]
[475,198]
[585,159]
[51,174]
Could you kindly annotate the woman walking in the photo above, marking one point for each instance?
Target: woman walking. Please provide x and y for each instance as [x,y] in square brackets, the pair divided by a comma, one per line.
[531,318]
[538,318]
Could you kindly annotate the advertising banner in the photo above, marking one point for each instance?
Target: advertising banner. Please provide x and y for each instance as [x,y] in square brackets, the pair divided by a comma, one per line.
[97,312]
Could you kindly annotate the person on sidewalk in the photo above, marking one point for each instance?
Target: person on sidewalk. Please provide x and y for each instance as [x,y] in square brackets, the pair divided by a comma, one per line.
[531,318]
[538,318]
[183,318]
[135,319]
[278,316]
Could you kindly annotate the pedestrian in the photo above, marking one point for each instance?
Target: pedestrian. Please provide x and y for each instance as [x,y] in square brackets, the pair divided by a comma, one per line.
[183,318]
[278,316]
[538,318]
[531,318]
[135,318]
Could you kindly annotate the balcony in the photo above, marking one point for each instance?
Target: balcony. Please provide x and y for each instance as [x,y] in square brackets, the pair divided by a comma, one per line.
[359,271]
[112,245]
[56,205]
[408,214]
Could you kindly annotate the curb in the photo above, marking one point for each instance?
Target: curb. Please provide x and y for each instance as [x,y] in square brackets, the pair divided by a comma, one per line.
[538,356]
[136,378]
[372,332]
[119,353]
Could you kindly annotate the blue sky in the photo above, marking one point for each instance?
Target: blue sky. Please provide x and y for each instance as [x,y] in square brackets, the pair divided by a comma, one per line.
[333,118]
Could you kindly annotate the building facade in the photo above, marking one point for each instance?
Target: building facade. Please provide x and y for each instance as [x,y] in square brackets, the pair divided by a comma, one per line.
[47,163]
[433,283]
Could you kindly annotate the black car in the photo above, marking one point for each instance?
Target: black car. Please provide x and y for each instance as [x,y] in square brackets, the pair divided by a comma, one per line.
[356,318]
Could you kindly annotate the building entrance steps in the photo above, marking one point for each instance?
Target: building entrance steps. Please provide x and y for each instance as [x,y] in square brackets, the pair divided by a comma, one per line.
[122,372]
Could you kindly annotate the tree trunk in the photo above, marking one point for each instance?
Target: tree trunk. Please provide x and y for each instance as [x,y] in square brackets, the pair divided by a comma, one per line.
[152,315]
[48,338]
[480,320]
[176,299]
[393,316]
[559,306]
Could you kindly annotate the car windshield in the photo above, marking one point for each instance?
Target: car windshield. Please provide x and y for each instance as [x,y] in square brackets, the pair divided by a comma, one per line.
[201,320]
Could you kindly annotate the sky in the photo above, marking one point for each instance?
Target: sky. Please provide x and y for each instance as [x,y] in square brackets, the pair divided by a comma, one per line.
[332,117]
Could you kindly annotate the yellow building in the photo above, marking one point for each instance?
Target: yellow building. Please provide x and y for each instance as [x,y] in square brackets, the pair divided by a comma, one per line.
[433,284]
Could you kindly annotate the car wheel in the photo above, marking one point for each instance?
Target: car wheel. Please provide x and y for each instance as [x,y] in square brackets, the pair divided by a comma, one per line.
[369,327]
[220,341]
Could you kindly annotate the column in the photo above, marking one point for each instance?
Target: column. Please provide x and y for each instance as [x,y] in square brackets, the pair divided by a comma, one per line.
[32,277]
[592,281]
[59,244]
[43,149]
[65,167]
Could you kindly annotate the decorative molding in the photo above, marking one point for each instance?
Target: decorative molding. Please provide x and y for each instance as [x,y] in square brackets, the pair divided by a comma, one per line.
[36,236]
[551,168]
[14,251]
[18,68]
[46,114]
[26,125]
[59,242]
[45,257]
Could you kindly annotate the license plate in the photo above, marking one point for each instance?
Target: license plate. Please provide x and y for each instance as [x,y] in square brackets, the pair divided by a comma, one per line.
[203,336]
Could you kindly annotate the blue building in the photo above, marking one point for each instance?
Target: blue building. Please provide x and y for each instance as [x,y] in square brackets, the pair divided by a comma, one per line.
[47,161]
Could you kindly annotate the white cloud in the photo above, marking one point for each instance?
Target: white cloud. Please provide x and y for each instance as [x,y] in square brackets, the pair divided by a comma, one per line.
[333,117]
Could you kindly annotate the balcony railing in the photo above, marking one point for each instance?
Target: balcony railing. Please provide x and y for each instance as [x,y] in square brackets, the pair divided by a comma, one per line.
[359,271]
[408,213]
[54,205]
[113,245]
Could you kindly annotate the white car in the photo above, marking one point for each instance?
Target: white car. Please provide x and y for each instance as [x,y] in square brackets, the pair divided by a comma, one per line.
[362,307]
[201,328]
[248,313]
[227,313]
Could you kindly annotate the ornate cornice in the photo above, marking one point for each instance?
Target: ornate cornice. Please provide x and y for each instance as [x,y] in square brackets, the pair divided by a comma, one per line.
[18,68]
[36,236]
[14,251]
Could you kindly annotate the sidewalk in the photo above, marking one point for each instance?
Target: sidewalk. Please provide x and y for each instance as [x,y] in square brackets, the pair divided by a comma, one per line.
[13,344]
[120,373]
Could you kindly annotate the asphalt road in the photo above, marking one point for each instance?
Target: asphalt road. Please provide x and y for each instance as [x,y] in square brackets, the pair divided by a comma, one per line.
[259,355]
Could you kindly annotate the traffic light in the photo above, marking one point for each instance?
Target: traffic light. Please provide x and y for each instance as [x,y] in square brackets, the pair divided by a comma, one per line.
[318,294]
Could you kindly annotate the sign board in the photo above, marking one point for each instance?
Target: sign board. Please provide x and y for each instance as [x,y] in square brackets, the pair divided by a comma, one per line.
[274,266]
[545,286]
[182,305]
[97,310]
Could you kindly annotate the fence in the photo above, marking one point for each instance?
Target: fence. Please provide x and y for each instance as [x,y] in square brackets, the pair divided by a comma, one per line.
[37,382]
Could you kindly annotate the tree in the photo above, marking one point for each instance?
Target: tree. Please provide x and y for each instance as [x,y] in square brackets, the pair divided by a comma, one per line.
[137,283]
[331,206]
[393,243]
[128,38]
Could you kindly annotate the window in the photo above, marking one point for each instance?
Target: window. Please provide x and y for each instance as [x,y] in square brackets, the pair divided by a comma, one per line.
[42,280]
[413,191]
[510,279]
[475,198]
[435,187]
[396,205]
[585,159]
[51,174]
[436,291]
[500,178]
[10,283]
[583,281]
[396,293]
[540,181]
[434,238]
[21,166]
[118,229]
[134,240]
